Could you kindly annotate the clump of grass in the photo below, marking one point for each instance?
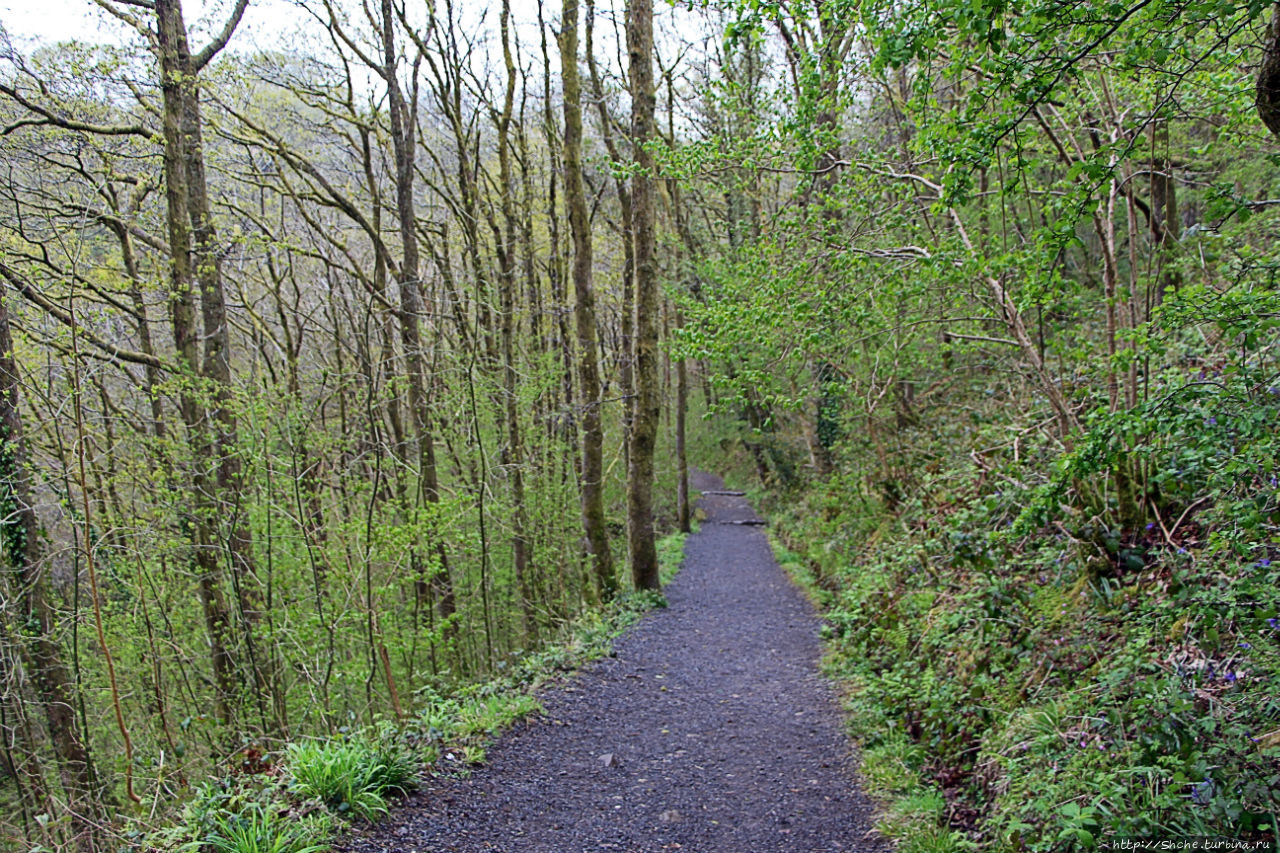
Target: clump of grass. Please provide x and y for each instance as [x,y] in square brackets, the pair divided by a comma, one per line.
[244,816]
[670,557]
[400,762]
[489,714]
[349,778]
[260,829]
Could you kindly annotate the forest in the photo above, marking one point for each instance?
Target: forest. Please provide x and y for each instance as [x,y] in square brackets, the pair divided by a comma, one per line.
[351,377]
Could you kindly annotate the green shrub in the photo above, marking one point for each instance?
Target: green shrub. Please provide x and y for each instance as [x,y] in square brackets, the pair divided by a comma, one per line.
[1060,677]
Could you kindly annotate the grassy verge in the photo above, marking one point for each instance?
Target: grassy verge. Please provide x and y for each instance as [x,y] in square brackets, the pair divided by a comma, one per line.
[910,809]
[295,801]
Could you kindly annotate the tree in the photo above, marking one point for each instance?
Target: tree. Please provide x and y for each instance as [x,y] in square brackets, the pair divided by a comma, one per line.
[196,271]
[34,624]
[644,431]
[592,476]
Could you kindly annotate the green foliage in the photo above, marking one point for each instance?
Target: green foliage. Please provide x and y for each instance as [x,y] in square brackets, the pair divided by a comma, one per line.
[257,829]
[400,766]
[1055,698]
[670,558]
[353,776]
[245,816]
[347,777]
[1032,326]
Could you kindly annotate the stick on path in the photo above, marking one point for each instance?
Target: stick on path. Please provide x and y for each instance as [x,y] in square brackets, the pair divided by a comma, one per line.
[710,731]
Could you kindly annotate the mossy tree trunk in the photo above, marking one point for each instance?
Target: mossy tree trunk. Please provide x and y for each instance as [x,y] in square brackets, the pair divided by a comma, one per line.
[644,429]
[592,481]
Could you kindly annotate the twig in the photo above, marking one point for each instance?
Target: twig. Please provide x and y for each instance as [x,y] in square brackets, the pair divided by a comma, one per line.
[1185,512]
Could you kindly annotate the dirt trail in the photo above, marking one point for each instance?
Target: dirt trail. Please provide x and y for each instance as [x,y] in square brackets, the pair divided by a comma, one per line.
[723,735]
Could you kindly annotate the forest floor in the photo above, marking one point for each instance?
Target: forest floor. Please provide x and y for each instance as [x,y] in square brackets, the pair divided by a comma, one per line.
[710,729]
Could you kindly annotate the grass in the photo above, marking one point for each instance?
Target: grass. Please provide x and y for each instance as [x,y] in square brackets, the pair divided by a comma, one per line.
[910,810]
[1026,694]
[257,830]
[348,777]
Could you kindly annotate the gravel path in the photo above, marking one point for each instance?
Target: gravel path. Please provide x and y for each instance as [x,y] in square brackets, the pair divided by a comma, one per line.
[722,734]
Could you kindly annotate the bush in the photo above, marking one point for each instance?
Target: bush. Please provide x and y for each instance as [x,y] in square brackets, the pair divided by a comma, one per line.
[1066,679]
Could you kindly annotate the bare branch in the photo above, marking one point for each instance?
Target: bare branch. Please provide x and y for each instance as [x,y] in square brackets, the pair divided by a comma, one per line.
[201,59]
[946,336]
[33,295]
[49,117]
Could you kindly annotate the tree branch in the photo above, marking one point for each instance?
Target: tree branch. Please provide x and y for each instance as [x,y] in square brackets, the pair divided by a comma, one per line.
[50,117]
[946,336]
[201,59]
[33,295]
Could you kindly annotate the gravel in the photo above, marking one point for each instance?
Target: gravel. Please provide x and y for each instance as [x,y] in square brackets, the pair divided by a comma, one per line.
[710,730]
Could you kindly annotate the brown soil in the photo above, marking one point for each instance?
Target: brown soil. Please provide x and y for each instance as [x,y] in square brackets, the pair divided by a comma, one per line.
[710,730]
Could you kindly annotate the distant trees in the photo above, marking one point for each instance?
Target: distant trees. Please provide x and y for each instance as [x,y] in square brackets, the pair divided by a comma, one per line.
[355,406]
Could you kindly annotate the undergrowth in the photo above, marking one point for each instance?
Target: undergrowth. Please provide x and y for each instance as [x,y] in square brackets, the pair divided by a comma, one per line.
[294,801]
[1026,673]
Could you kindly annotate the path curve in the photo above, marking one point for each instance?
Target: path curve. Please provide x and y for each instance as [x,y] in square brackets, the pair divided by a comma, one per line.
[724,736]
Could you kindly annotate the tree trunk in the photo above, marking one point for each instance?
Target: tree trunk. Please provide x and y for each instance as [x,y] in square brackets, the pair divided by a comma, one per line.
[683,512]
[403,119]
[626,366]
[1166,227]
[1267,91]
[177,82]
[584,312]
[29,589]
[644,430]
[513,451]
